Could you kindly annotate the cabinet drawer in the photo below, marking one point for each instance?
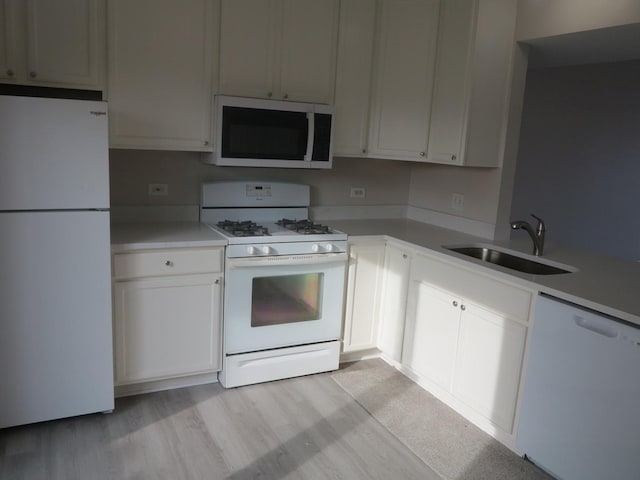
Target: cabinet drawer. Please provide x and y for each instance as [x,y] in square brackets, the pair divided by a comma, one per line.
[167,262]
[497,296]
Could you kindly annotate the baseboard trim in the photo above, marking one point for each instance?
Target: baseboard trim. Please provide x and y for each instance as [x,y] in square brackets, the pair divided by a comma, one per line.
[165,384]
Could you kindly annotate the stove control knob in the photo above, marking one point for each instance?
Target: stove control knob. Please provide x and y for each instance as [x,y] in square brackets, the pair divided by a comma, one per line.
[329,247]
[315,248]
[266,250]
[251,250]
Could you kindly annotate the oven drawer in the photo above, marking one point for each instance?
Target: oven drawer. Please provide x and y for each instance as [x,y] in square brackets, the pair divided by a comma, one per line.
[177,261]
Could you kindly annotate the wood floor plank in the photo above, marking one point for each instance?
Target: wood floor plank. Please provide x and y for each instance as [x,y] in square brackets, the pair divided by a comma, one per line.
[302,428]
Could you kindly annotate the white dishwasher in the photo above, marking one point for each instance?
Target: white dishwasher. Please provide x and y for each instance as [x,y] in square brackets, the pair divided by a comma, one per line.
[580,416]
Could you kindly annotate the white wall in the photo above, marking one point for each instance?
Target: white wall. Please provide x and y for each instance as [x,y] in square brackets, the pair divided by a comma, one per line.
[545,18]
[579,158]
[386,182]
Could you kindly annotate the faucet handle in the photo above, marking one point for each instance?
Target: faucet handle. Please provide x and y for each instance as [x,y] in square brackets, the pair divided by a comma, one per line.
[541,226]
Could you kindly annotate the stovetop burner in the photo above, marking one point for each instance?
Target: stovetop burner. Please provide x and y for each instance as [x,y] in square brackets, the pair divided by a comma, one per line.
[243,229]
[304,227]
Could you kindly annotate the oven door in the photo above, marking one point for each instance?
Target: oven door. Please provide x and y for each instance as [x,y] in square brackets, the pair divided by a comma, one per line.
[273,302]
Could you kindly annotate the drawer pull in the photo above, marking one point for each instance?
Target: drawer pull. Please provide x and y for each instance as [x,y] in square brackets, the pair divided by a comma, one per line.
[169,263]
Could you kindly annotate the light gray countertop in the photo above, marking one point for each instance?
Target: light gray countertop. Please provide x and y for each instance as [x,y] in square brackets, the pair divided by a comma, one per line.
[605,284]
[142,236]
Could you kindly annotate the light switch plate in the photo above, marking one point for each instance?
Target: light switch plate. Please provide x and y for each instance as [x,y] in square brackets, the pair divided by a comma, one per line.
[358,192]
[457,202]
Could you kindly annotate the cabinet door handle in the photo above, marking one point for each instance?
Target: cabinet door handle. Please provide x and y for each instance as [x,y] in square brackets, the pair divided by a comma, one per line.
[269,94]
[33,74]
[217,282]
[169,263]
[286,95]
[404,255]
[463,308]
[455,304]
[10,73]
[422,154]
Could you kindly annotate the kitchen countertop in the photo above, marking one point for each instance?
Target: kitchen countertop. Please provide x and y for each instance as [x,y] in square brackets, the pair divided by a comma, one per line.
[141,236]
[605,284]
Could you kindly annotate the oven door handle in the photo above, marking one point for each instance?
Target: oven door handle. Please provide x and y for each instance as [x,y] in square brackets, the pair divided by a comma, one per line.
[273,261]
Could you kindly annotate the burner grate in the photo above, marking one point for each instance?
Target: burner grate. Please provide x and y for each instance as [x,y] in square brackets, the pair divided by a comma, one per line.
[243,229]
[304,227]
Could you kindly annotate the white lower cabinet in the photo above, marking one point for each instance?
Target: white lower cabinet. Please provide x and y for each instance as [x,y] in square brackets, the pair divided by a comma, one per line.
[397,263]
[464,341]
[167,314]
[364,288]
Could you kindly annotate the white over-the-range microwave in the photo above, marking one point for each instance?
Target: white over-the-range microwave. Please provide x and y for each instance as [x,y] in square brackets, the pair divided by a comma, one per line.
[251,132]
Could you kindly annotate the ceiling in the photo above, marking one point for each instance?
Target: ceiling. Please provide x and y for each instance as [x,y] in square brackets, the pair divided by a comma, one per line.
[613,44]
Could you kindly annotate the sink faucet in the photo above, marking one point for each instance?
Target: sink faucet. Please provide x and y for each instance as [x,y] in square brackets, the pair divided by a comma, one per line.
[537,235]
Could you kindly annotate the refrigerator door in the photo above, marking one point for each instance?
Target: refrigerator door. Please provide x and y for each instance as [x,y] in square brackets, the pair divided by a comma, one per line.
[53,154]
[55,316]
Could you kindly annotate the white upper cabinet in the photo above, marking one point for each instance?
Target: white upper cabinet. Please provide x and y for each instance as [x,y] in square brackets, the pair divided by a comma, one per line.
[280,49]
[353,77]
[7,60]
[473,68]
[55,44]
[403,78]
[161,62]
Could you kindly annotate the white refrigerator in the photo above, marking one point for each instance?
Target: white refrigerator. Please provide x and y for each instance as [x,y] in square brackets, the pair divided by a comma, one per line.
[55,279]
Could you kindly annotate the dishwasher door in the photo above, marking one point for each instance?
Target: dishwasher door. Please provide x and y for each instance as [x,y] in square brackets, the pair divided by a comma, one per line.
[580,416]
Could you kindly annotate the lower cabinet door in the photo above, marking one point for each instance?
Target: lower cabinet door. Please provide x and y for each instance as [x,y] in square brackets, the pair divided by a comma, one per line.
[488,364]
[166,327]
[362,305]
[431,333]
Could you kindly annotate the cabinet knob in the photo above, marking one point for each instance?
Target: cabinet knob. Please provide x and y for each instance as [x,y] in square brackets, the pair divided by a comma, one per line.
[463,308]
[10,73]
[33,74]
[453,157]
[217,281]
[285,96]
[206,142]
[404,255]
[422,154]
[455,304]
[169,263]
[269,94]
[364,150]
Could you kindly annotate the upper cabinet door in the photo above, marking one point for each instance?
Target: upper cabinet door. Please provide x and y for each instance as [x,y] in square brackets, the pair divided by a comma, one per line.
[403,78]
[7,67]
[65,42]
[281,49]
[308,52]
[473,74]
[353,77]
[161,73]
[248,48]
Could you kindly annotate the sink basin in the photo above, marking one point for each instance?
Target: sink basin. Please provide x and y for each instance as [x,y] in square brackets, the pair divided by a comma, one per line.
[514,261]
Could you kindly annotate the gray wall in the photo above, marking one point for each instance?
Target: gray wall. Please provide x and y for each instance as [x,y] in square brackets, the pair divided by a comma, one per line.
[386,182]
[579,156]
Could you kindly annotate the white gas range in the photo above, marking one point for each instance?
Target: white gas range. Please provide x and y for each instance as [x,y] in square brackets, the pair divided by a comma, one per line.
[284,281]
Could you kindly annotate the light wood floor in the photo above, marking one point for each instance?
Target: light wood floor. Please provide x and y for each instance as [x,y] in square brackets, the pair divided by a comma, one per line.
[303,428]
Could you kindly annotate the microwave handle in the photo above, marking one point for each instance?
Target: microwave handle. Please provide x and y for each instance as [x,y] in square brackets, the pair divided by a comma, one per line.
[311,123]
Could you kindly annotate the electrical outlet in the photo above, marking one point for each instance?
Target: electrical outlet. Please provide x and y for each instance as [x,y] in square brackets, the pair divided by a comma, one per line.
[358,192]
[158,189]
[457,202]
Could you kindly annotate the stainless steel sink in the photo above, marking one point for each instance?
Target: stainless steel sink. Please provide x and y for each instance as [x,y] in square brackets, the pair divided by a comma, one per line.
[513,260]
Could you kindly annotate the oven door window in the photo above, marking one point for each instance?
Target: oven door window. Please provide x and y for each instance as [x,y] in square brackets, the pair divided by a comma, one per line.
[264,134]
[286,299]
